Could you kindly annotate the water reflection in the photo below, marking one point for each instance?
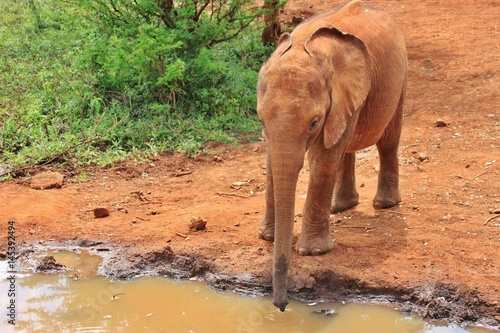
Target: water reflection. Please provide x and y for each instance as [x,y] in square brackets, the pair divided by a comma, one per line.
[80,301]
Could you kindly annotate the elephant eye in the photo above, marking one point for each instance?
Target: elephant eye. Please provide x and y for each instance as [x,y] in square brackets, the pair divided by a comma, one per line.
[314,124]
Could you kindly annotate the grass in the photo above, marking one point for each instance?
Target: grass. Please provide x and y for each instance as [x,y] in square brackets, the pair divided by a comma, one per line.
[93,96]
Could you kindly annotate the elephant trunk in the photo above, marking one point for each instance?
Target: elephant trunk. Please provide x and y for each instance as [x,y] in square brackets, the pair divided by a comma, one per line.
[285,169]
[282,245]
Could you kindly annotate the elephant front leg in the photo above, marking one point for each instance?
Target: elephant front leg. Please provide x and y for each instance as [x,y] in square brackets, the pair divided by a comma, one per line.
[315,238]
[266,230]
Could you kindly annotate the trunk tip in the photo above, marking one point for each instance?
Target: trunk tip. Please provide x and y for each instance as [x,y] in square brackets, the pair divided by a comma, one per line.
[281,305]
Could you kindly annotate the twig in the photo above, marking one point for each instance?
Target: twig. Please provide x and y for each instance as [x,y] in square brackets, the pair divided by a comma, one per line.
[140,195]
[53,158]
[491,219]
[232,195]
[115,296]
[479,175]
[181,235]
[86,141]
[182,173]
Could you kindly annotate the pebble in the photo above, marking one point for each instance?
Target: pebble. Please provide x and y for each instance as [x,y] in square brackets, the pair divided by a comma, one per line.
[198,223]
[101,212]
[422,157]
[326,312]
[440,123]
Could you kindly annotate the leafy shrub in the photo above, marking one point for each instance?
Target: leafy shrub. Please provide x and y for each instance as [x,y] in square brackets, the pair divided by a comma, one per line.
[125,77]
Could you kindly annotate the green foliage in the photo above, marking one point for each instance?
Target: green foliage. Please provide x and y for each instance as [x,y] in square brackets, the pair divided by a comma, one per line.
[174,75]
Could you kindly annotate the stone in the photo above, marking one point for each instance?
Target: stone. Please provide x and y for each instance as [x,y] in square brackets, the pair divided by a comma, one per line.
[47,180]
[197,223]
[422,157]
[441,123]
[101,212]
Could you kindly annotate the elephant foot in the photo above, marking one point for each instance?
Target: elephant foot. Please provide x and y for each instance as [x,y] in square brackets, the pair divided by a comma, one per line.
[386,200]
[344,202]
[314,246]
[266,231]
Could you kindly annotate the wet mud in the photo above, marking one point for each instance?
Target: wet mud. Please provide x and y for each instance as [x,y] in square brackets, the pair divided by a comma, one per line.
[448,303]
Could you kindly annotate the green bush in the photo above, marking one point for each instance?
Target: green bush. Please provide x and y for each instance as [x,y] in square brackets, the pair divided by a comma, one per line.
[113,78]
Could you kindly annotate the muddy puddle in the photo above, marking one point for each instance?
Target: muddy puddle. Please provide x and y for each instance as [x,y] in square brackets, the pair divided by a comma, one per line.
[75,298]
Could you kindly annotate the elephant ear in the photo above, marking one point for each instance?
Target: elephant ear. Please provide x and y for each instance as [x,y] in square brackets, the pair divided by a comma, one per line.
[284,44]
[348,65]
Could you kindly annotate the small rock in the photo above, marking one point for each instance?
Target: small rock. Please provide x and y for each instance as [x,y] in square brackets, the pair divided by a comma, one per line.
[495,210]
[197,223]
[4,170]
[440,123]
[47,180]
[422,157]
[326,312]
[101,212]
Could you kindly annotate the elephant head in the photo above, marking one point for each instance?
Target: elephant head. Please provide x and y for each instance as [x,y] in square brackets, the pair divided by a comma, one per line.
[309,94]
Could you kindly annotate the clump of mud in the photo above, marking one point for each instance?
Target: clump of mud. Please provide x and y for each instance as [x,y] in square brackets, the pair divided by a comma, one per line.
[128,263]
[449,302]
[50,265]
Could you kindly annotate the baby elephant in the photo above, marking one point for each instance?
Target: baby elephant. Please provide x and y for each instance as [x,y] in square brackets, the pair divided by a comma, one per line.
[333,86]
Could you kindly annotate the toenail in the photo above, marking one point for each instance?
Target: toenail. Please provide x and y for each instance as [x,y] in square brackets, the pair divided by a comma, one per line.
[302,251]
[316,252]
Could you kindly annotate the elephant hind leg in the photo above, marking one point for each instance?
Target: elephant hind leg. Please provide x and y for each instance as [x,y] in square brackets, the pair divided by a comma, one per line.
[388,178]
[345,195]
[266,229]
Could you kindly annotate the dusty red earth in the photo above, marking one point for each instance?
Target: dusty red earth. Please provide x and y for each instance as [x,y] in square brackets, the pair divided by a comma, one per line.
[437,253]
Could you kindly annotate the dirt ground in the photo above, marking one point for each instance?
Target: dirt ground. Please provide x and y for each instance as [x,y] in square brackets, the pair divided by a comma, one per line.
[437,253]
